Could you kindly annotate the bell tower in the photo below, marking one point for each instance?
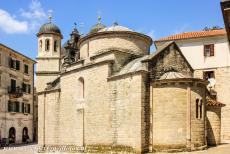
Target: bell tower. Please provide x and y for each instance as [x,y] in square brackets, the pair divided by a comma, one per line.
[49,54]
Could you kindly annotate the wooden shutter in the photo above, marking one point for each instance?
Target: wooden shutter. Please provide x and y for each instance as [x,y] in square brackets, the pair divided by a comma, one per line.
[17,106]
[212,49]
[29,89]
[10,62]
[13,85]
[17,65]
[22,108]
[9,106]
[28,108]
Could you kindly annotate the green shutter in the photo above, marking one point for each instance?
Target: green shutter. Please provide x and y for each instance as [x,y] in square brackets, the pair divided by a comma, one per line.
[29,89]
[17,107]
[13,85]
[22,110]
[26,69]
[28,108]
[17,65]
[9,106]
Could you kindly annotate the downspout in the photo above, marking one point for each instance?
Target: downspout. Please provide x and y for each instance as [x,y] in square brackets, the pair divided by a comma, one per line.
[5,112]
[44,111]
[188,119]
[33,104]
[83,121]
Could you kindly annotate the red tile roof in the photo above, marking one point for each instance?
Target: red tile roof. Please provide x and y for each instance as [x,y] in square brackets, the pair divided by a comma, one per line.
[212,102]
[189,35]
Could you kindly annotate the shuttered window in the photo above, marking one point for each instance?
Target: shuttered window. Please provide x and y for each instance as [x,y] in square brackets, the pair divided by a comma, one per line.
[17,106]
[26,88]
[209,50]
[23,108]
[15,64]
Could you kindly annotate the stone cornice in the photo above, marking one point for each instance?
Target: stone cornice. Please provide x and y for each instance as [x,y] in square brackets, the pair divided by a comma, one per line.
[47,73]
[47,58]
[48,91]
[122,33]
[113,50]
[87,66]
[178,80]
[115,77]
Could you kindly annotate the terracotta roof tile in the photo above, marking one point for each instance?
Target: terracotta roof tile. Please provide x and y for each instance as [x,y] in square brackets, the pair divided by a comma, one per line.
[212,102]
[189,35]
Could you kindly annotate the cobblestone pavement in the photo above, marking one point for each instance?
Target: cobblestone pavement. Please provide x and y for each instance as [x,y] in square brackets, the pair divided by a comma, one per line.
[31,149]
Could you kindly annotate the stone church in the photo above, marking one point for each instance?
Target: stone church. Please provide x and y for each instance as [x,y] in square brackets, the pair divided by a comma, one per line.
[105,91]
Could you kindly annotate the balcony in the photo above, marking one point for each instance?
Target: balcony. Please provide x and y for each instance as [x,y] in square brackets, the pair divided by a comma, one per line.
[15,92]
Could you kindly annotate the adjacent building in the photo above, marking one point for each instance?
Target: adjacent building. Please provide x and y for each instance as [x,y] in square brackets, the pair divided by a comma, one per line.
[16,96]
[209,55]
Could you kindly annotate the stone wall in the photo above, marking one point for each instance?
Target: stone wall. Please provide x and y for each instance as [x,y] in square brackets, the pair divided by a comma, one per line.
[175,125]
[123,41]
[222,88]
[213,125]
[170,58]
[9,119]
[81,117]
[130,122]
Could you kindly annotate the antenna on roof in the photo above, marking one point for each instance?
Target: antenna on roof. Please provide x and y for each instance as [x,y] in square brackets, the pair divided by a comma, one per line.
[115,23]
[75,25]
[99,16]
[50,15]
[99,19]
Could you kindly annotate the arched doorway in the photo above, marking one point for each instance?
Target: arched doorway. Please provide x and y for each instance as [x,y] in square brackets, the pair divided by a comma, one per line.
[25,135]
[12,135]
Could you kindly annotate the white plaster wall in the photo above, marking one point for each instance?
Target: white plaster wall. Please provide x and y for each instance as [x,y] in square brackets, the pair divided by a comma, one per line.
[193,50]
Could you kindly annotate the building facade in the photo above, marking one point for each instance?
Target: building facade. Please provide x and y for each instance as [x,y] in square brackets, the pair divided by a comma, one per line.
[16,96]
[209,54]
[105,92]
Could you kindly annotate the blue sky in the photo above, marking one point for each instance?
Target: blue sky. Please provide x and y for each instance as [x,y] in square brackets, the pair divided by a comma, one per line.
[21,19]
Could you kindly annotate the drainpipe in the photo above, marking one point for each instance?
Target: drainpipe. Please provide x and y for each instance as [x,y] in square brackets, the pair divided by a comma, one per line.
[188,118]
[44,112]
[33,104]
[5,112]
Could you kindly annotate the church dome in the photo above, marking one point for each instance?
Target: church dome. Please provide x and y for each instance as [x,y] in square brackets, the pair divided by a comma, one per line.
[49,28]
[115,27]
[97,28]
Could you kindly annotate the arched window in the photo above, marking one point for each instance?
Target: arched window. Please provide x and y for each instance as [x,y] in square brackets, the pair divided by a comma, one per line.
[47,45]
[197,108]
[200,106]
[81,88]
[12,135]
[55,45]
[25,135]
[40,45]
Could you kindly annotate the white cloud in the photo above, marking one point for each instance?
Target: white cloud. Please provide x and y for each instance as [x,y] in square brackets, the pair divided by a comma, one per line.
[30,19]
[10,25]
[34,12]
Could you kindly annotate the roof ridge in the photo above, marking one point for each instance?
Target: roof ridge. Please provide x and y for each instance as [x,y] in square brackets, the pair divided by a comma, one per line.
[193,34]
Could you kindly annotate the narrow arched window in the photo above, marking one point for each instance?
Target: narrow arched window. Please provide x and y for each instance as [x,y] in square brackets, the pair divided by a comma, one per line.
[40,45]
[197,108]
[47,45]
[55,45]
[81,88]
[200,106]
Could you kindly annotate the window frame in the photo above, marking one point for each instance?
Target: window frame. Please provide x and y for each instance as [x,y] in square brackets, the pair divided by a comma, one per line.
[26,69]
[47,45]
[209,50]
[206,72]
